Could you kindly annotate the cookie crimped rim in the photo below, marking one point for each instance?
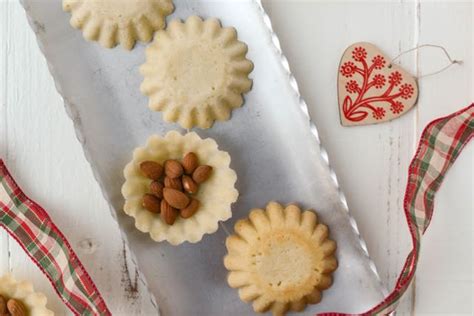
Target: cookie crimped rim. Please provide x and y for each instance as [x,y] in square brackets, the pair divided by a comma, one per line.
[273,228]
[216,195]
[216,100]
[120,28]
[23,291]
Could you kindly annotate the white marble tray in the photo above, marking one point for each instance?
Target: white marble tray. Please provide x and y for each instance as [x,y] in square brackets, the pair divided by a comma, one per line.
[274,146]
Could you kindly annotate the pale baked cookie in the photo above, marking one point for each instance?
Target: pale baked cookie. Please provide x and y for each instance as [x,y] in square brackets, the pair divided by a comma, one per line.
[25,297]
[195,72]
[280,258]
[112,22]
[216,194]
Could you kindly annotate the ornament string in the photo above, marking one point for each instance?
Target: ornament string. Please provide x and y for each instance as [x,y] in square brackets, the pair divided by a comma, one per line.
[416,48]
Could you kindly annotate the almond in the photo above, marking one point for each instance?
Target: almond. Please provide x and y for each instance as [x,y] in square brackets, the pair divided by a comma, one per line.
[168,213]
[190,162]
[175,198]
[3,305]
[173,183]
[202,173]
[16,308]
[156,189]
[173,169]
[189,185]
[151,203]
[191,209]
[151,169]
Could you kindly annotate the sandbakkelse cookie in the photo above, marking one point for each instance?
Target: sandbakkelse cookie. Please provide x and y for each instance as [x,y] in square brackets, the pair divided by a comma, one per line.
[112,22]
[216,194]
[280,258]
[196,72]
[19,298]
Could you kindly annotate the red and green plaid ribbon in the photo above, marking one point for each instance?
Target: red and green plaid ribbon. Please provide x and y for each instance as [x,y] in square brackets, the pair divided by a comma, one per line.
[441,143]
[44,243]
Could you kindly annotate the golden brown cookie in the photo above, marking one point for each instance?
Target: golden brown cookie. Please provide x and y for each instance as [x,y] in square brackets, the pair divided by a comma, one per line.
[280,259]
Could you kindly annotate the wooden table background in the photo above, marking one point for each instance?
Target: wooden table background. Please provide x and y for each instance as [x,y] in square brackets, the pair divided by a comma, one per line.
[38,143]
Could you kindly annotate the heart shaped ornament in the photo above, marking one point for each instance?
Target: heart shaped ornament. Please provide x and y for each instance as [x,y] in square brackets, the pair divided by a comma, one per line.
[370,90]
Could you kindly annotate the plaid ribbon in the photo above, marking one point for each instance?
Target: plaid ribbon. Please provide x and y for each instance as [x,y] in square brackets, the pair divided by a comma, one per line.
[441,143]
[43,242]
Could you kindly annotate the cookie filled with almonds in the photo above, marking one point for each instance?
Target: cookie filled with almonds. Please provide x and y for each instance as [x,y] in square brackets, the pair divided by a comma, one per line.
[18,298]
[178,187]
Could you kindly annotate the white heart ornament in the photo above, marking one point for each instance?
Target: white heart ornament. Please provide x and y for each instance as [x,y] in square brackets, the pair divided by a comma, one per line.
[370,90]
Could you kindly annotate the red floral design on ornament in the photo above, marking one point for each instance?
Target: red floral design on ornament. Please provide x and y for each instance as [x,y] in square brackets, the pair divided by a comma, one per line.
[397,107]
[358,107]
[406,91]
[395,78]
[352,86]
[378,113]
[379,81]
[359,54]
[348,69]
[378,61]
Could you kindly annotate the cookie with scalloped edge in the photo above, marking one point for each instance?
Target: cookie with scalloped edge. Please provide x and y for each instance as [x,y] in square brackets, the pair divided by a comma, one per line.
[215,195]
[23,291]
[113,22]
[196,72]
[280,259]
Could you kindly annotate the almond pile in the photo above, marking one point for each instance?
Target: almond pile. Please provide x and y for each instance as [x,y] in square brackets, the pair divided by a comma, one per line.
[11,307]
[171,191]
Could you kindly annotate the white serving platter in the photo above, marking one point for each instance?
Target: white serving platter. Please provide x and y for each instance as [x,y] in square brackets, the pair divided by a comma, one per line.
[274,146]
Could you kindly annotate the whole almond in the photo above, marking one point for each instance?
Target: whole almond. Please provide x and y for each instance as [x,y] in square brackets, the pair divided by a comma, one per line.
[202,173]
[175,198]
[189,185]
[156,189]
[173,183]
[3,305]
[151,203]
[168,213]
[16,308]
[190,210]
[190,162]
[173,169]
[151,169]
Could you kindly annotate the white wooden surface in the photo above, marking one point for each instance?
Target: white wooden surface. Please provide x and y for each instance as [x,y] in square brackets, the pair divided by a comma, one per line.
[37,142]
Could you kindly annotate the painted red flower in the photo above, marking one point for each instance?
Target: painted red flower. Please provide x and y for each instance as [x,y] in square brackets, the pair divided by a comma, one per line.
[352,86]
[359,53]
[379,81]
[378,113]
[348,69]
[406,90]
[397,107]
[395,78]
[378,61]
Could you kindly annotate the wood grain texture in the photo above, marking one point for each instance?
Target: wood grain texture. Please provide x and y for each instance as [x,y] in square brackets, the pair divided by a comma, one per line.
[4,240]
[445,282]
[38,143]
[41,150]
